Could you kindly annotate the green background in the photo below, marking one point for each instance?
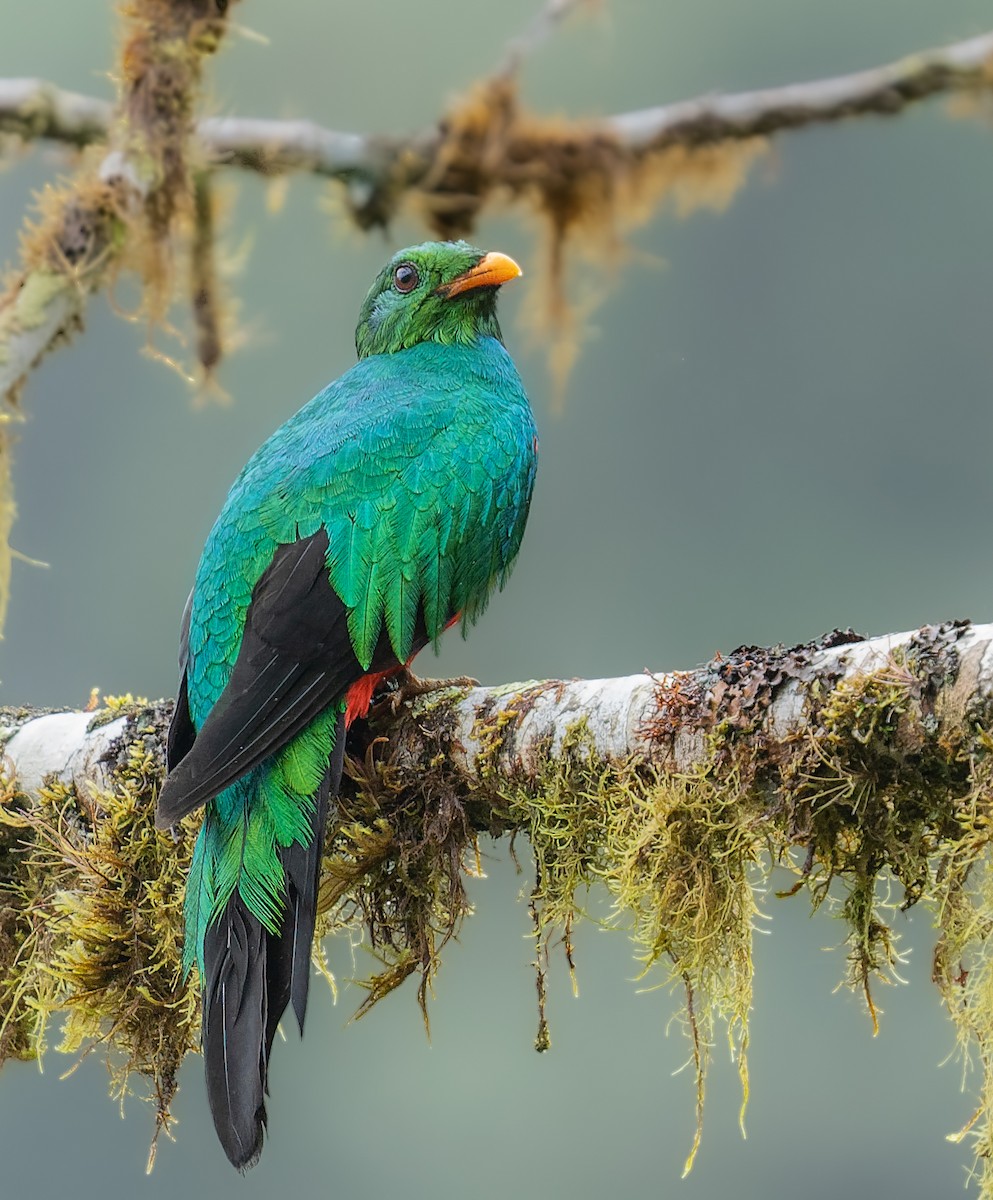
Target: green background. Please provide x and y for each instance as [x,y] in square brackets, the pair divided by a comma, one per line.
[780,425]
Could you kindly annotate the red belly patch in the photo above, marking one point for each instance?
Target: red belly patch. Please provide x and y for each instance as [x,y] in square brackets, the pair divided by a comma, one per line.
[359,695]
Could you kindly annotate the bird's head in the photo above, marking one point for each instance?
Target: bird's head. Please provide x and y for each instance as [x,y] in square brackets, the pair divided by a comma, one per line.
[436,292]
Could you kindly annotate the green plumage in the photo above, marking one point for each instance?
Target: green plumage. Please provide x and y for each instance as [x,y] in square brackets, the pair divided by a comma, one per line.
[424,508]
[413,474]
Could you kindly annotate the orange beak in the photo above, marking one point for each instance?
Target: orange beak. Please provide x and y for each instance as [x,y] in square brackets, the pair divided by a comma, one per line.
[491,270]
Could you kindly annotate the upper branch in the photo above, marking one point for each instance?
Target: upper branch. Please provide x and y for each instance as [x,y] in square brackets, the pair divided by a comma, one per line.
[35,109]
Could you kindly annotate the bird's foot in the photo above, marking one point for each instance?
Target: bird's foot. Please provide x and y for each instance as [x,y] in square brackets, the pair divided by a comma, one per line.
[407,686]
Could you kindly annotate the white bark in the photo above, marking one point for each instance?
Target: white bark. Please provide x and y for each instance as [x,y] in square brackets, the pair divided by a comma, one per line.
[618,714]
[60,745]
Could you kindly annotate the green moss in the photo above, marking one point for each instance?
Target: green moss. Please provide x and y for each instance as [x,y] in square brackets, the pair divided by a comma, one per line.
[99,922]
[114,707]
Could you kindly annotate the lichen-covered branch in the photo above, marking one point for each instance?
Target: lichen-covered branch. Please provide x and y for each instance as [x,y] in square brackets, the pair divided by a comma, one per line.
[33,108]
[36,109]
[122,200]
[849,762]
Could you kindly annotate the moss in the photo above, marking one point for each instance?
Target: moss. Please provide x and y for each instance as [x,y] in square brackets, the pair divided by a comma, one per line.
[681,855]
[98,931]
[395,865]
[115,707]
[88,229]
[885,796]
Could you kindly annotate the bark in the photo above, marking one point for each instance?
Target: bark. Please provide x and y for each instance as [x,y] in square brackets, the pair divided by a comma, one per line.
[764,696]
[663,719]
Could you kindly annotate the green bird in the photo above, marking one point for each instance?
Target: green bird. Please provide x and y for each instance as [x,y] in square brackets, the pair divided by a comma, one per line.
[386,510]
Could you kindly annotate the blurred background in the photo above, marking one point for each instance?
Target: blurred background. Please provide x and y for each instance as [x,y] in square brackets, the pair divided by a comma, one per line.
[780,424]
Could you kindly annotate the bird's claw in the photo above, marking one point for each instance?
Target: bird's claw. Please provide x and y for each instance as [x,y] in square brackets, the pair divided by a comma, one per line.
[407,686]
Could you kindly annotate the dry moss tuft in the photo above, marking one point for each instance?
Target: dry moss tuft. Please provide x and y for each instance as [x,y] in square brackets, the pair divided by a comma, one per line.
[394,868]
[587,186]
[588,189]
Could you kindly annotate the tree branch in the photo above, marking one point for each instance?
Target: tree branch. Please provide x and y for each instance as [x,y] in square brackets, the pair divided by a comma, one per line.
[120,207]
[763,697]
[35,109]
[843,760]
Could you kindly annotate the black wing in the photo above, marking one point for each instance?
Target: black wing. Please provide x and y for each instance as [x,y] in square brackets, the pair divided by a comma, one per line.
[295,659]
[181,731]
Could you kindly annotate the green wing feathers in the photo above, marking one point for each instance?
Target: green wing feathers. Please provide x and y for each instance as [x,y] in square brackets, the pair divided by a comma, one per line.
[246,826]
[437,543]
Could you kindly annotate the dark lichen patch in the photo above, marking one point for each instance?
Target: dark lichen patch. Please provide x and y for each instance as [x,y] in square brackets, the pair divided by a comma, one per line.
[932,655]
[745,682]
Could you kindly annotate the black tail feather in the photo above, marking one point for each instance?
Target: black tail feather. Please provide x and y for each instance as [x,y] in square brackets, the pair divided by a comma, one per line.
[250,978]
[234,1014]
[303,870]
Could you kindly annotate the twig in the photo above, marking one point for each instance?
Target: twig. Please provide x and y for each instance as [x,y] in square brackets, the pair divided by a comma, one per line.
[542,26]
[33,108]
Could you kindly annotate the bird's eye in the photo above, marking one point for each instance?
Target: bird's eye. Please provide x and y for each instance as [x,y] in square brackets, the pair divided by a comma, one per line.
[405,277]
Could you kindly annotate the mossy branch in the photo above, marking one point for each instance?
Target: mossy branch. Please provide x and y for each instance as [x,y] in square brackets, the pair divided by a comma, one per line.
[36,109]
[594,175]
[852,763]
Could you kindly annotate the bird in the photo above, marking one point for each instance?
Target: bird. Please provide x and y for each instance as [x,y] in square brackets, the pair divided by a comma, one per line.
[385,511]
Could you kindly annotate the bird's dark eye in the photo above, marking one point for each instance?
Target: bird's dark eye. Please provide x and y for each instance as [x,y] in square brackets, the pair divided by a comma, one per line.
[405,277]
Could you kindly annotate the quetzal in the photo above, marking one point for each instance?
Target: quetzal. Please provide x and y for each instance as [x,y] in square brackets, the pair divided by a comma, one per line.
[384,511]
